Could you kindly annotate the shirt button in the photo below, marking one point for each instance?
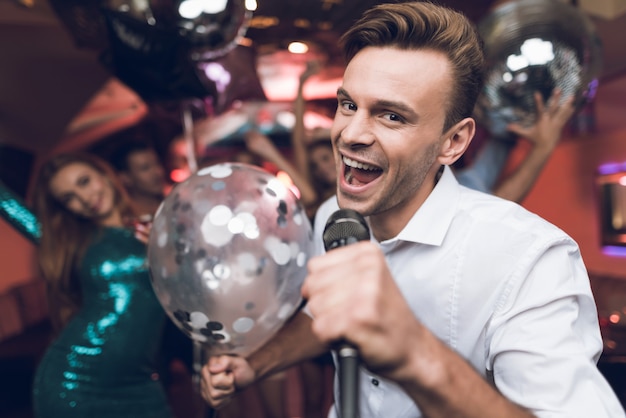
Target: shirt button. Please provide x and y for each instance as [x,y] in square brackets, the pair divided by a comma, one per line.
[375,382]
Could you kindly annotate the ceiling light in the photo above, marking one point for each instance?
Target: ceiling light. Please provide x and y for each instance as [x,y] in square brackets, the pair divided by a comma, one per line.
[298,48]
[251,5]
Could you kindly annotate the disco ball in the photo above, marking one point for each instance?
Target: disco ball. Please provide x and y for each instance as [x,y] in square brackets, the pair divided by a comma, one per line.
[535,45]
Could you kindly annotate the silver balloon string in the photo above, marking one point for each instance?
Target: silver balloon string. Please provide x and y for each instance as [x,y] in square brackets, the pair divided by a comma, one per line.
[189,137]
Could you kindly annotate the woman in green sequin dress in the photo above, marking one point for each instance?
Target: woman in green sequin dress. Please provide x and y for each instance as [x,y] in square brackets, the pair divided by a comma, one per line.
[103,361]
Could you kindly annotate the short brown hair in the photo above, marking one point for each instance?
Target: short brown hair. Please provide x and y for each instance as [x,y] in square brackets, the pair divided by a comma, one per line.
[423,25]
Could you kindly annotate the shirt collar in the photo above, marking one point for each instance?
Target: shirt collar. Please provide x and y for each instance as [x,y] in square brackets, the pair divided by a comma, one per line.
[431,222]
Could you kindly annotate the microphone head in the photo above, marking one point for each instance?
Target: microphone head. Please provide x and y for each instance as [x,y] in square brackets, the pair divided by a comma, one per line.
[344,227]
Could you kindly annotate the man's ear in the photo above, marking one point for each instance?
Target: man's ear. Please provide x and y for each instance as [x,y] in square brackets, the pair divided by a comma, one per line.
[456,140]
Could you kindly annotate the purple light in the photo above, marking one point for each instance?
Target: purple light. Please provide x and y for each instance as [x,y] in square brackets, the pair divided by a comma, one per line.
[593,88]
[612,168]
[614,251]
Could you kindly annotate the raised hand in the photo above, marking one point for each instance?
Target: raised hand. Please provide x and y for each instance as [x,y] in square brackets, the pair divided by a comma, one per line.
[551,118]
[352,296]
[544,135]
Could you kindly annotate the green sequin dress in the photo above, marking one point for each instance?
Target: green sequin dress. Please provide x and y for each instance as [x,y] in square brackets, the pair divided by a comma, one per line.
[103,363]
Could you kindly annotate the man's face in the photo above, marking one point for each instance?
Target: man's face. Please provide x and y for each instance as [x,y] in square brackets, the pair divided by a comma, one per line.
[145,173]
[388,130]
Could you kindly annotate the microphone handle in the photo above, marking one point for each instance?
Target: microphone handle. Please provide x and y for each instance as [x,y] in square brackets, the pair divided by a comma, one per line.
[348,381]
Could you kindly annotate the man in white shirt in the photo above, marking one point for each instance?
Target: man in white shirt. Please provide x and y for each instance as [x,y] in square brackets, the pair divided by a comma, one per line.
[462,304]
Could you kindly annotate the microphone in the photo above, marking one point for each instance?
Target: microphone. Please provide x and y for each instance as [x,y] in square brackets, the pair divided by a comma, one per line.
[345,227]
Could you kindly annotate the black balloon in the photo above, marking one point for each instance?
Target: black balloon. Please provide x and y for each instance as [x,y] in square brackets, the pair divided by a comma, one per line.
[535,45]
[161,49]
[235,78]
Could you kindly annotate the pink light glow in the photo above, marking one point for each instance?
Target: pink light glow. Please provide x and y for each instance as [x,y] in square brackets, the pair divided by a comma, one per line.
[614,318]
[178,175]
[286,180]
[284,88]
[279,74]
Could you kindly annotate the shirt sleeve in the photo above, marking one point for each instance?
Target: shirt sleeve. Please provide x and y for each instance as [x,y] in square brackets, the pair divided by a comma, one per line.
[544,340]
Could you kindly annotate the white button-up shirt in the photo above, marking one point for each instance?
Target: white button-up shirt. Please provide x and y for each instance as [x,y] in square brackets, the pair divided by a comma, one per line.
[505,289]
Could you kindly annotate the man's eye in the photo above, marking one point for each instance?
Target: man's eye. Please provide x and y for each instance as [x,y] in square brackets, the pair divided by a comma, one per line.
[348,106]
[393,117]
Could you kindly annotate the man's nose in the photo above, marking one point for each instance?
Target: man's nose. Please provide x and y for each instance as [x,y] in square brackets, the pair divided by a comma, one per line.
[358,130]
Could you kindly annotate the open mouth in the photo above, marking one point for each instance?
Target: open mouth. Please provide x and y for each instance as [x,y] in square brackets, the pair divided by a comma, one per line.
[358,174]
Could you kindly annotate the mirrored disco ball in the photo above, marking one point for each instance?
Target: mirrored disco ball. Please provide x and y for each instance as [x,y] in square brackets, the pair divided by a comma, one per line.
[227,254]
[535,45]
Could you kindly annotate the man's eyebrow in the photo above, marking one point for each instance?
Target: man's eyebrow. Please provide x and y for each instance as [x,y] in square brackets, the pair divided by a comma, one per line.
[342,92]
[390,104]
[382,103]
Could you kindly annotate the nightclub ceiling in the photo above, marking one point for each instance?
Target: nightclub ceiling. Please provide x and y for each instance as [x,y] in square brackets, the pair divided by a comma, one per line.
[60,69]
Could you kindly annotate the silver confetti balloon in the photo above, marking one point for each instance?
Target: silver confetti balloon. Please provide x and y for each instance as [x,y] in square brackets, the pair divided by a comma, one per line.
[535,45]
[227,254]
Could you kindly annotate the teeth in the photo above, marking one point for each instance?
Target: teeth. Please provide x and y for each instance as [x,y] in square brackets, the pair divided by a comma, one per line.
[356,164]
